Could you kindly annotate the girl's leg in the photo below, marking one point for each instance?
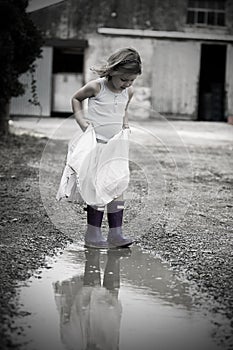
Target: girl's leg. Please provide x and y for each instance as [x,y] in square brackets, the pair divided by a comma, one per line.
[115,211]
[93,237]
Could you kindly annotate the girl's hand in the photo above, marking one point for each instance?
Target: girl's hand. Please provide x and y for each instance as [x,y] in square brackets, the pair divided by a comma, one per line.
[84,124]
[125,126]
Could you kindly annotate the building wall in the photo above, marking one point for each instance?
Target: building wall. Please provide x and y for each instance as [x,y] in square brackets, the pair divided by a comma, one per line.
[229,17]
[79,17]
[76,18]
[171,67]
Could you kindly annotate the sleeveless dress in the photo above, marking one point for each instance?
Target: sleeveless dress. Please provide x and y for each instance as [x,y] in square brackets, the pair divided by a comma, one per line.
[106,111]
[97,166]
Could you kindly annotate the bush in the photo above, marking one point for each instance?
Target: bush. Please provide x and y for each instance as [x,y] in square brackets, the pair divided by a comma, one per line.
[20,45]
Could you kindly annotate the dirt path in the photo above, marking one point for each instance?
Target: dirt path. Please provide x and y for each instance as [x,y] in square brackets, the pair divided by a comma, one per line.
[27,234]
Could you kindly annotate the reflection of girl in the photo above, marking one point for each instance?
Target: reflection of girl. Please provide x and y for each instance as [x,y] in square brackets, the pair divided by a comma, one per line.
[108,98]
[89,313]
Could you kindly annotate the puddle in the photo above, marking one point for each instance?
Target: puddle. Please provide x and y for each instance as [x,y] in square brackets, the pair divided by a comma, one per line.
[117,299]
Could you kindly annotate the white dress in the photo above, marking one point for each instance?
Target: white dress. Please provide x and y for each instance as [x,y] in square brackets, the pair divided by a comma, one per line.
[97,173]
[106,111]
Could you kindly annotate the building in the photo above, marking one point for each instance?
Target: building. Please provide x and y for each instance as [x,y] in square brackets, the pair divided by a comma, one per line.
[186,48]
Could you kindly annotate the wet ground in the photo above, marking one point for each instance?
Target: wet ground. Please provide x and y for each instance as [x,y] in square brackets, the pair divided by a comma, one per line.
[178,208]
[117,299]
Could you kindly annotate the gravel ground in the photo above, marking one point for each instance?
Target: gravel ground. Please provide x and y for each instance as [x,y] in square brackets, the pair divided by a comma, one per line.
[27,234]
[198,247]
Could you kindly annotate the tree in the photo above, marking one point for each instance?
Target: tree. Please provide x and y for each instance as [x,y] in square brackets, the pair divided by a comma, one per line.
[20,45]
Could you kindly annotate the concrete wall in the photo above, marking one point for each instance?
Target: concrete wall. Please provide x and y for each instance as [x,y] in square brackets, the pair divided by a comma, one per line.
[76,18]
[229,17]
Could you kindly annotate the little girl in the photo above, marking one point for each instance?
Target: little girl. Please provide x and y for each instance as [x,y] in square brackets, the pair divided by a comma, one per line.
[108,99]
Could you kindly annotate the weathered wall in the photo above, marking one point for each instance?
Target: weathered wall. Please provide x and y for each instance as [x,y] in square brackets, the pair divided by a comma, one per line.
[137,14]
[175,76]
[53,21]
[229,17]
[76,18]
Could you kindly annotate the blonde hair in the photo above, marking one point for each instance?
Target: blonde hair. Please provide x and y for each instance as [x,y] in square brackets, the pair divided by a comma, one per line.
[126,60]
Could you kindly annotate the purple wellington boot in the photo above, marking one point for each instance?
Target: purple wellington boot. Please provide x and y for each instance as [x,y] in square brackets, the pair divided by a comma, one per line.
[115,216]
[93,237]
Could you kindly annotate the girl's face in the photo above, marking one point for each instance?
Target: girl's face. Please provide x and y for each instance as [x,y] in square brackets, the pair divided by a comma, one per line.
[121,81]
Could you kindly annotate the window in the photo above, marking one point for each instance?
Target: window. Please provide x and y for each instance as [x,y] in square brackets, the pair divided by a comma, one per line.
[206,12]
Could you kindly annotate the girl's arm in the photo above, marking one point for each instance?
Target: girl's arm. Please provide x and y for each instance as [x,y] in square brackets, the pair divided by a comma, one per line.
[126,119]
[89,90]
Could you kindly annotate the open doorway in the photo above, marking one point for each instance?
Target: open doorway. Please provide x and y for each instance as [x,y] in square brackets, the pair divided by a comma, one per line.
[212,83]
[67,78]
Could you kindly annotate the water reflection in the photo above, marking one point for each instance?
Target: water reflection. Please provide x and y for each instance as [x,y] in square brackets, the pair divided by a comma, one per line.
[90,311]
[117,299]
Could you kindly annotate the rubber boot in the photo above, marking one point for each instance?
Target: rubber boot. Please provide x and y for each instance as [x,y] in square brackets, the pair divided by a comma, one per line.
[92,268]
[93,237]
[115,239]
[111,279]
